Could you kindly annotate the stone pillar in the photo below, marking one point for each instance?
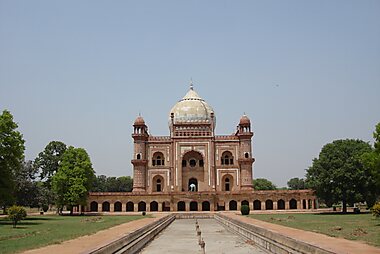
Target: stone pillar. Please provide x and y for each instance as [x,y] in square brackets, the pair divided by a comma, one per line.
[227,206]
[123,207]
[300,204]
[212,206]
[160,206]
[238,206]
[199,206]
[187,206]
[275,205]
[262,205]
[147,207]
[112,209]
[250,205]
[135,207]
[287,205]
[99,207]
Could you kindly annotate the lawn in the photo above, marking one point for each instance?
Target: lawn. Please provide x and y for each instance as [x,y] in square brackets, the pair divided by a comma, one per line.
[359,227]
[37,231]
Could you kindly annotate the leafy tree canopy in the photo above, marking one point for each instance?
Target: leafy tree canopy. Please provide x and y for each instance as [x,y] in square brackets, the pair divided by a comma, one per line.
[49,159]
[11,156]
[103,183]
[338,174]
[74,178]
[297,184]
[263,184]
[27,189]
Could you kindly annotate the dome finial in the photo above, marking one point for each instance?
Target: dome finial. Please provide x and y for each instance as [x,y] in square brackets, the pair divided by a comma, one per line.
[191,84]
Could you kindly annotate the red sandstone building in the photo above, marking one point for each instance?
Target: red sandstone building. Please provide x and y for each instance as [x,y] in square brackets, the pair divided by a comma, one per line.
[195,170]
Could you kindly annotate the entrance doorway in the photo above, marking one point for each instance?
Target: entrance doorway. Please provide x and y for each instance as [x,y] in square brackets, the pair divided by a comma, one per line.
[193,184]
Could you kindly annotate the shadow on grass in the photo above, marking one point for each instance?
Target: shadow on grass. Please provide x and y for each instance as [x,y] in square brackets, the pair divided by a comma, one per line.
[340,213]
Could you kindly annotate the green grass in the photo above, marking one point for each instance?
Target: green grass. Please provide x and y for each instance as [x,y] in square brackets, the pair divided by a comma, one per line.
[37,231]
[359,227]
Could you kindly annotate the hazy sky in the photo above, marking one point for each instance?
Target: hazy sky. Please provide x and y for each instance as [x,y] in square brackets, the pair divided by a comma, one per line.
[305,72]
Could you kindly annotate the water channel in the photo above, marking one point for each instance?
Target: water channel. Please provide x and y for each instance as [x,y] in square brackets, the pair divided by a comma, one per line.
[181,237]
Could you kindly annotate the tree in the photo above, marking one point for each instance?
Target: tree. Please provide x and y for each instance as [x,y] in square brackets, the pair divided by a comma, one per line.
[73,179]
[26,188]
[296,184]
[263,184]
[11,156]
[371,160]
[103,183]
[338,174]
[16,213]
[49,159]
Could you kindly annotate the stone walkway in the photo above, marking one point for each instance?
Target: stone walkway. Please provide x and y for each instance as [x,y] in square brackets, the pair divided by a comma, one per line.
[181,237]
[336,245]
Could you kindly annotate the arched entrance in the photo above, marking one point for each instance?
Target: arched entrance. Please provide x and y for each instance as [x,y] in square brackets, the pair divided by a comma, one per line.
[153,206]
[181,206]
[117,206]
[130,206]
[192,171]
[106,207]
[205,206]
[269,205]
[292,204]
[193,206]
[94,206]
[257,205]
[193,184]
[245,202]
[227,182]
[142,206]
[158,184]
[233,205]
[281,204]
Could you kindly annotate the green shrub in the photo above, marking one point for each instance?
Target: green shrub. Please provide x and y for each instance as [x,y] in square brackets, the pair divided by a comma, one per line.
[376,210]
[244,210]
[45,208]
[143,213]
[16,213]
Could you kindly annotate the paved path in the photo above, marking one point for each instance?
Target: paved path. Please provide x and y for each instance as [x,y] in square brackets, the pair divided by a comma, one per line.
[181,237]
[86,243]
[336,245]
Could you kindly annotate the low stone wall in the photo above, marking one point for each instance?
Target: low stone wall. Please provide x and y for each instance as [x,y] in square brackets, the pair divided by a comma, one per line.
[268,240]
[135,241]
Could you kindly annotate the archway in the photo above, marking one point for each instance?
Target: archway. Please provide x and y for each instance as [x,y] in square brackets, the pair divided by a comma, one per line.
[233,205]
[193,184]
[281,204]
[105,206]
[117,206]
[181,206]
[205,206]
[304,204]
[142,206]
[130,206]
[257,205]
[192,171]
[269,205]
[245,202]
[227,182]
[94,206]
[158,184]
[193,206]
[292,204]
[153,206]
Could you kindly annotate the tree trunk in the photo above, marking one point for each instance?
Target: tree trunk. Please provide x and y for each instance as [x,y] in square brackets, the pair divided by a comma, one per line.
[344,201]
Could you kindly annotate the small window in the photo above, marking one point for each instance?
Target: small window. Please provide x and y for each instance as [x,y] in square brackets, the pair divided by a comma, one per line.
[158,159]
[138,156]
[192,163]
[246,155]
[227,158]
[183,163]
[201,163]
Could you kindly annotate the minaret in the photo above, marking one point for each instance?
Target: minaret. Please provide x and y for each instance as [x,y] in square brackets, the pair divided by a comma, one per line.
[245,156]
[140,136]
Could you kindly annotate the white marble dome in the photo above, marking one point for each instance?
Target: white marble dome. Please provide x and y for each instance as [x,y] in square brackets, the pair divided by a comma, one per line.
[191,109]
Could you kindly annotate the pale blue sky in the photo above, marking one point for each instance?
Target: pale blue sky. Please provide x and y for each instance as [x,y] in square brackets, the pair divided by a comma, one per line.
[305,72]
